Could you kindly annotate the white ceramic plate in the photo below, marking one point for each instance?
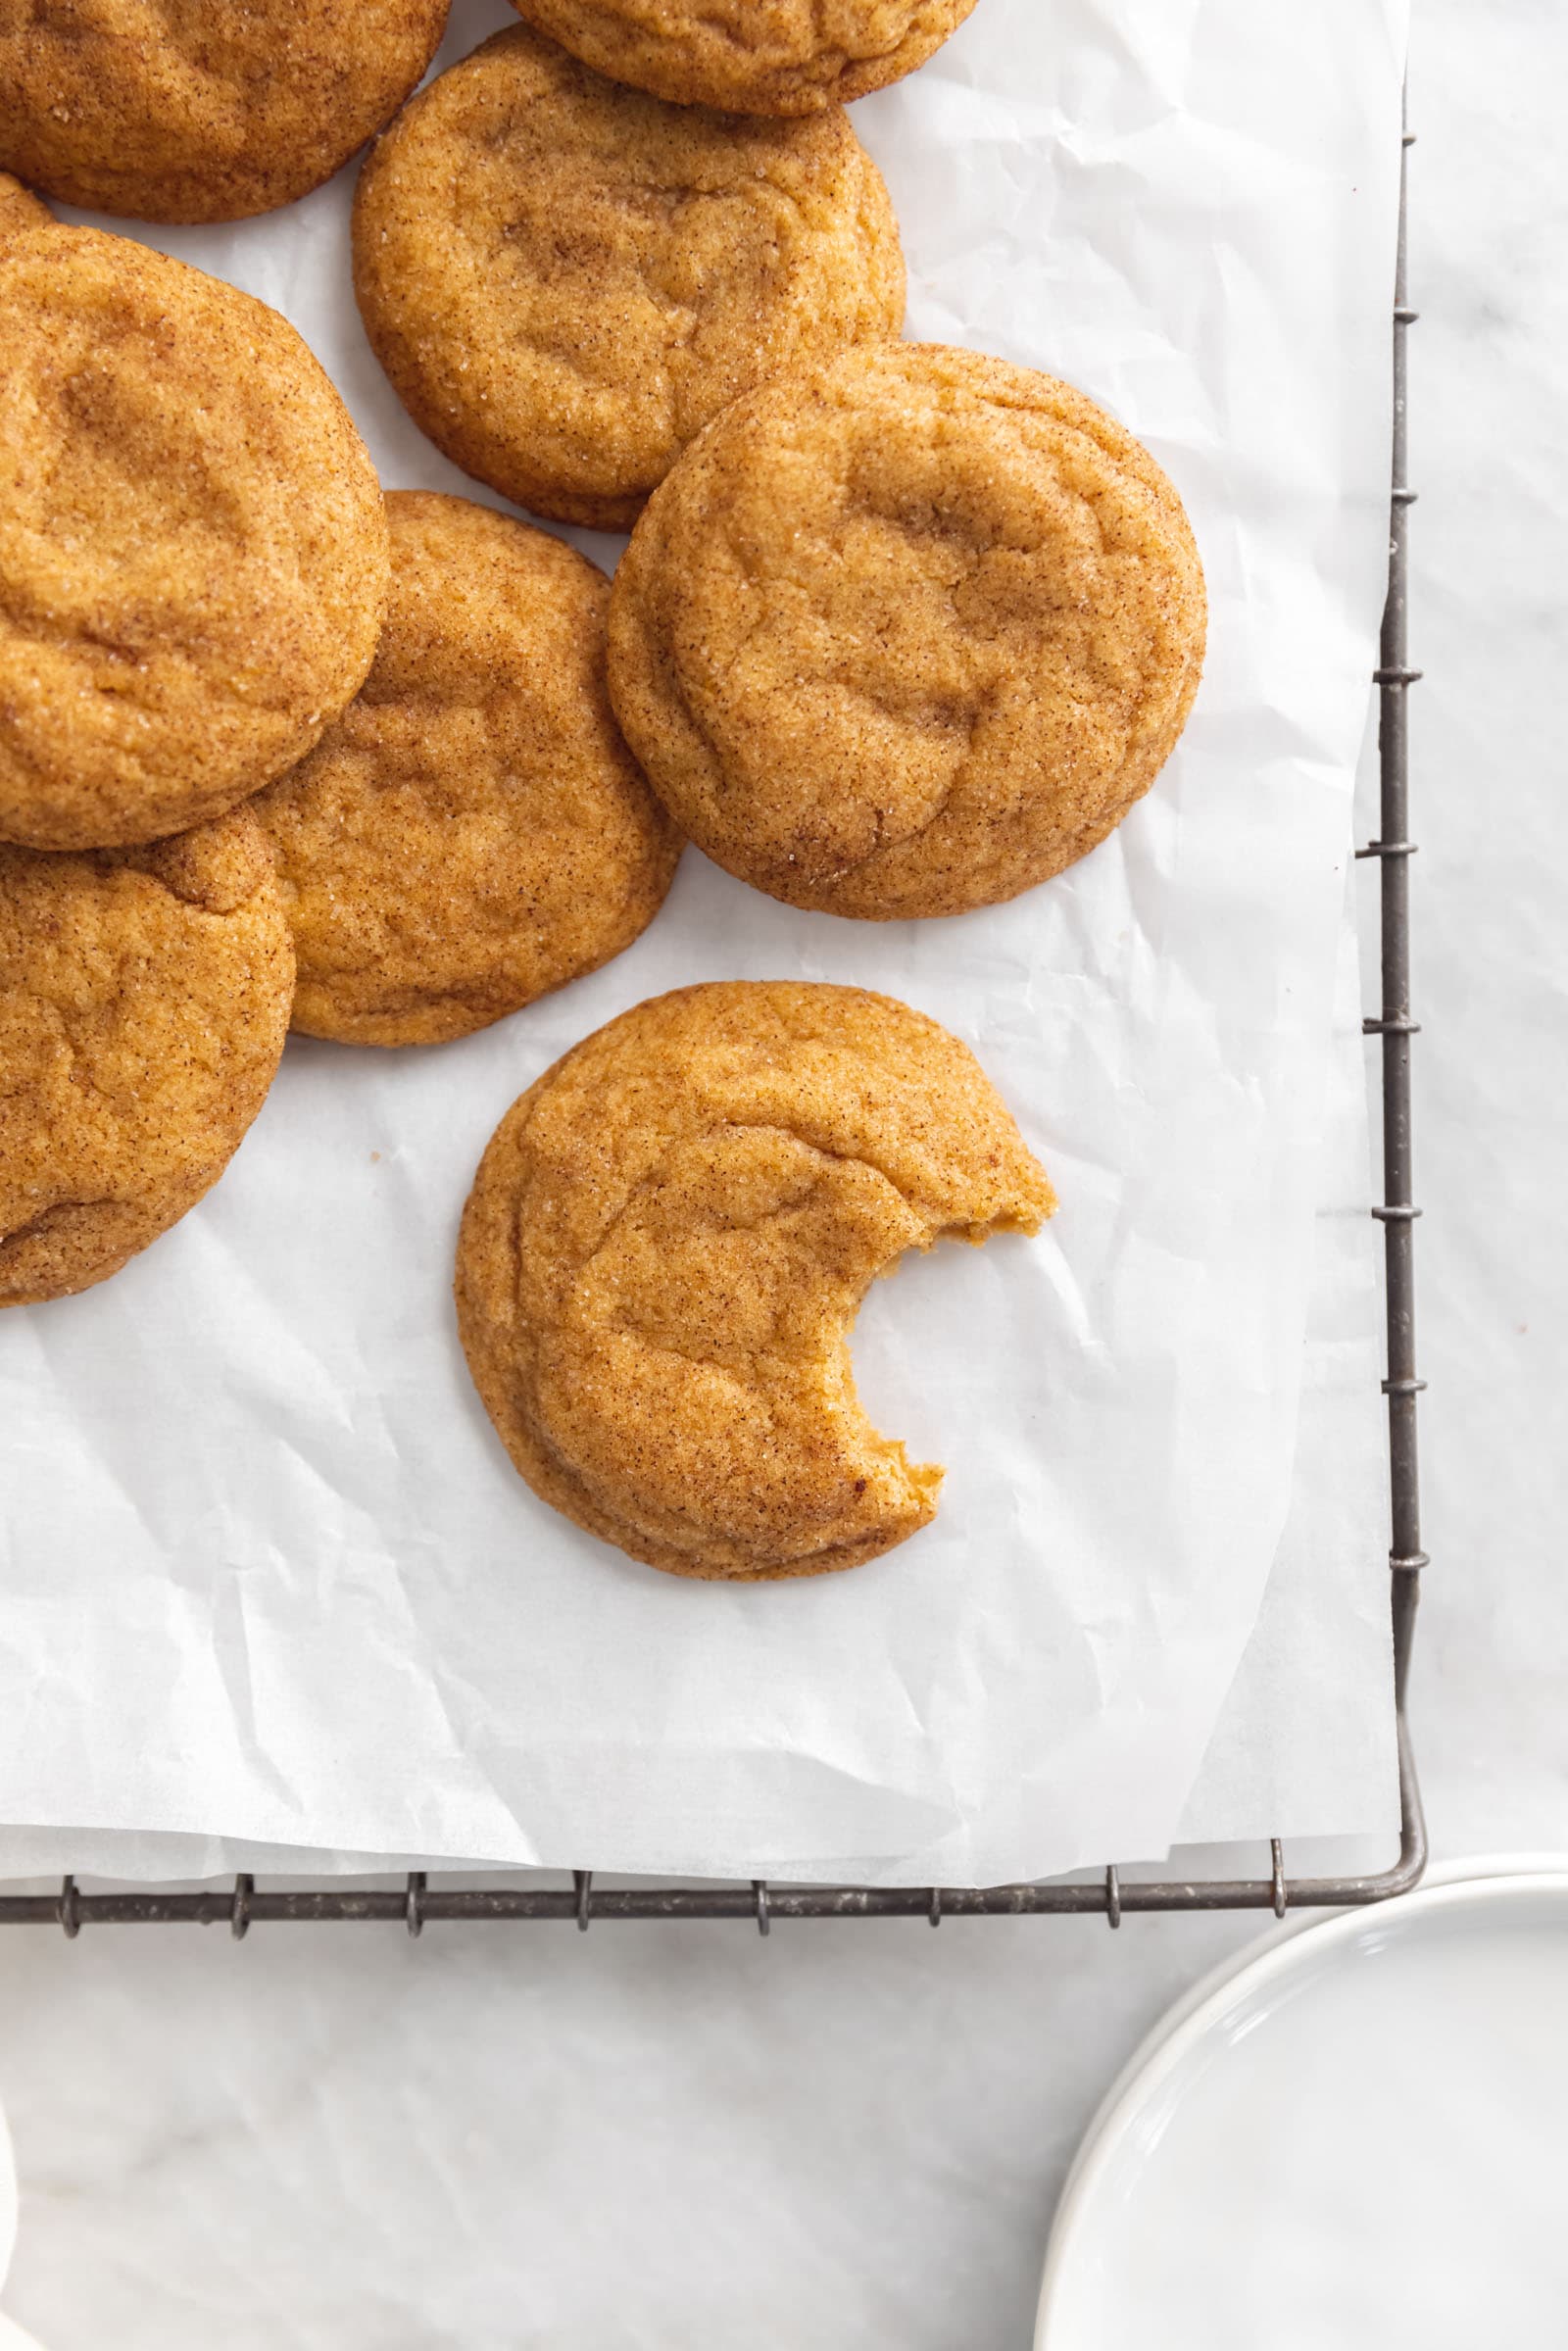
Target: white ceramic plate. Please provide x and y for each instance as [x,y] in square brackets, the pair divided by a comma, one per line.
[1357,2139]
[8,2201]
[12,2336]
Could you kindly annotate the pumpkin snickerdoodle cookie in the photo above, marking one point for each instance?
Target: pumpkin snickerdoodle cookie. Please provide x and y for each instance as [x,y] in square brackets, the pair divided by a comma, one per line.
[203,110]
[667,1240]
[565,280]
[192,545]
[474,830]
[762,57]
[909,633]
[145,1000]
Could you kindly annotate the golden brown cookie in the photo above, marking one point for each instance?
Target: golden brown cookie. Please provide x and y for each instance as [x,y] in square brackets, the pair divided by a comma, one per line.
[759,57]
[145,1000]
[665,1245]
[564,280]
[20,208]
[908,634]
[192,547]
[201,110]
[474,830]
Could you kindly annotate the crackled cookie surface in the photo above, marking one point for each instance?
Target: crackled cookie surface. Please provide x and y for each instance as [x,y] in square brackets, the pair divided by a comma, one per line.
[474,830]
[666,1244]
[565,280]
[765,56]
[192,545]
[145,1000]
[201,110]
[908,634]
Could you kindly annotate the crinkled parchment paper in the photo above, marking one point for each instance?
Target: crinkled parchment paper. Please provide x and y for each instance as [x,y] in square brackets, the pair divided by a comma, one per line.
[266,1572]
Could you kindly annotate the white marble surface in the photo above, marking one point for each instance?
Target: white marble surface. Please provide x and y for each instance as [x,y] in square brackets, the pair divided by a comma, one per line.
[903,2105]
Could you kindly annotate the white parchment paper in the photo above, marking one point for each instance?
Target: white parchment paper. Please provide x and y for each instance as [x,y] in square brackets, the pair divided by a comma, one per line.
[1304,1745]
[266,1574]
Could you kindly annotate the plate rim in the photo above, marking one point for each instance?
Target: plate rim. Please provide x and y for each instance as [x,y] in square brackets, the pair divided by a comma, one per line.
[1473,1882]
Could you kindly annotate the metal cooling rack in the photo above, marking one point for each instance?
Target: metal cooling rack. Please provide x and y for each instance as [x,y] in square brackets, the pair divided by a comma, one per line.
[416,1901]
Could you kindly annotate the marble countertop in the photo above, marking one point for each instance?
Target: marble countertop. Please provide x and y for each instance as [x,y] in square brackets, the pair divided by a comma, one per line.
[508,2122]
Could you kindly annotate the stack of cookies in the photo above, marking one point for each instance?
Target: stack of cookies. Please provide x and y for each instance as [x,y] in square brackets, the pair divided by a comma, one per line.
[902,631]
